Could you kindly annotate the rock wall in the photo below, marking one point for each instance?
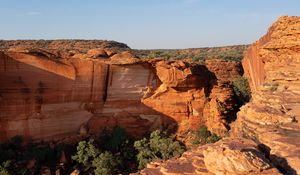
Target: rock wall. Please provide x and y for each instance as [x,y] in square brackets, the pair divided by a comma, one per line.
[265,138]
[272,117]
[48,94]
[42,98]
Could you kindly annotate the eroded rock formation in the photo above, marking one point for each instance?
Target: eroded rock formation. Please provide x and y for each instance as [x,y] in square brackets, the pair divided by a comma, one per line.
[272,117]
[268,124]
[55,89]
[226,157]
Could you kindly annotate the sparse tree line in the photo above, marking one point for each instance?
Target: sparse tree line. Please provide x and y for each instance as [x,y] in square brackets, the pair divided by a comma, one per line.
[112,152]
[233,53]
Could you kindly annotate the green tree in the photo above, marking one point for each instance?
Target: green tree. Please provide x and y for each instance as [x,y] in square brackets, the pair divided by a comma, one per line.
[158,146]
[86,152]
[241,89]
[105,164]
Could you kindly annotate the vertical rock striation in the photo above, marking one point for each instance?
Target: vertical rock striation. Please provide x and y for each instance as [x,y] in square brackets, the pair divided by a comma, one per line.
[49,92]
[272,65]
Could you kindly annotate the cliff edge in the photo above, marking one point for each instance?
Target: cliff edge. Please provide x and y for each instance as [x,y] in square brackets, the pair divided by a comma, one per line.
[265,138]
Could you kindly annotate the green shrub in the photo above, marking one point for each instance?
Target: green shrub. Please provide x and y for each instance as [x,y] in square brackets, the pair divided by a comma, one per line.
[105,164]
[203,133]
[241,89]
[206,136]
[214,138]
[158,146]
[86,152]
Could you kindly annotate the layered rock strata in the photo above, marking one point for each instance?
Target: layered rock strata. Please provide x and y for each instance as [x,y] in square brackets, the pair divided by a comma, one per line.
[54,93]
[226,157]
[272,66]
[265,137]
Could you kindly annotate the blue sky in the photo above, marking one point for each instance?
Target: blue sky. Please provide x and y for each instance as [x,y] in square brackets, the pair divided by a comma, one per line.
[144,24]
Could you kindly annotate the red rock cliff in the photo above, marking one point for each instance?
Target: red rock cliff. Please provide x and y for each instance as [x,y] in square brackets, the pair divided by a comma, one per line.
[266,135]
[48,92]
[272,117]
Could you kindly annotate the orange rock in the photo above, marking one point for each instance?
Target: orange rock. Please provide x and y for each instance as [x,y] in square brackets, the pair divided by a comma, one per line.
[70,88]
[97,53]
[272,67]
[235,157]
[125,57]
[228,157]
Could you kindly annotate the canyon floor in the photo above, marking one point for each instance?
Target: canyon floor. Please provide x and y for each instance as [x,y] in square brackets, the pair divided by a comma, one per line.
[63,91]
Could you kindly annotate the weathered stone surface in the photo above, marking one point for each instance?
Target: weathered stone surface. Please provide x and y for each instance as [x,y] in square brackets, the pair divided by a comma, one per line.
[226,157]
[44,98]
[272,117]
[238,156]
[54,89]
[192,94]
[52,93]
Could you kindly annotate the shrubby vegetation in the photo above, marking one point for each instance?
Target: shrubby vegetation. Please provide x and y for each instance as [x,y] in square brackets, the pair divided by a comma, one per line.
[115,153]
[204,136]
[105,163]
[241,90]
[234,53]
[86,153]
[111,153]
[158,146]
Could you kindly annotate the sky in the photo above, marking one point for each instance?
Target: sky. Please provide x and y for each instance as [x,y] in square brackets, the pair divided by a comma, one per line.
[144,24]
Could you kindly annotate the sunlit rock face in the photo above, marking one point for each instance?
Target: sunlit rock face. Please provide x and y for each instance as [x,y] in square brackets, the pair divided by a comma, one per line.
[272,66]
[265,138]
[226,157]
[191,94]
[42,98]
[50,93]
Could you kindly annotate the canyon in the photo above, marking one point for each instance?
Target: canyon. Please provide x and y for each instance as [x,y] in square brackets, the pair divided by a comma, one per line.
[69,89]
[49,93]
[265,137]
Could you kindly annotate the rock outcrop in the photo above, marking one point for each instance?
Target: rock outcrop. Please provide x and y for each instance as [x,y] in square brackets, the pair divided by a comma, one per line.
[272,117]
[226,157]
[55,89]
[265,137]
[192,94]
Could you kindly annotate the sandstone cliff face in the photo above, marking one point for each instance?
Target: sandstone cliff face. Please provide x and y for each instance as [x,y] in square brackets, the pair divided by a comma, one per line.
[266,133]
[272,65]
[50,93]
[192,94]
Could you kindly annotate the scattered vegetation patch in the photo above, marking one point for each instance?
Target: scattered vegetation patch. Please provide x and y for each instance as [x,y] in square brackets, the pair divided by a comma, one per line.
[241,89]
[234,53]
[158,146]
[203,136]
[113,152]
